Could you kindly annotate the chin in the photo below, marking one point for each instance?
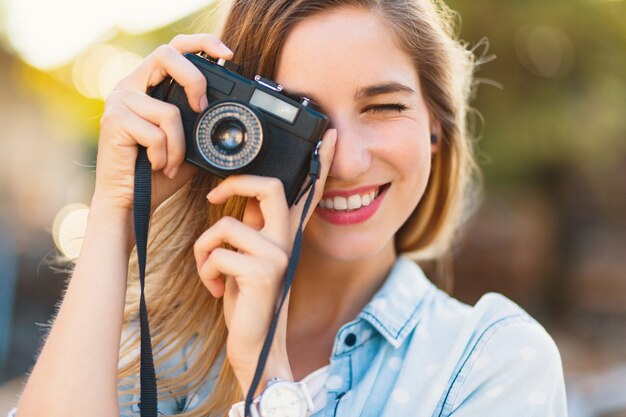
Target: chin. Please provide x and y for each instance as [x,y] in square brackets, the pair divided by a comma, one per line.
[346,250]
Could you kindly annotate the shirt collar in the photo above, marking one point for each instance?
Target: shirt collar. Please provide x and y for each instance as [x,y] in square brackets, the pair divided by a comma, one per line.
[394,310]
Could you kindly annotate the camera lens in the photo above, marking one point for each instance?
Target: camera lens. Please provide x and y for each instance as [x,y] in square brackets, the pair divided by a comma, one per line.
[229,135]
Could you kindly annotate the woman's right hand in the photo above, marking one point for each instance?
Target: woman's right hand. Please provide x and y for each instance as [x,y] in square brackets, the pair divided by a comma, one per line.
[132,117]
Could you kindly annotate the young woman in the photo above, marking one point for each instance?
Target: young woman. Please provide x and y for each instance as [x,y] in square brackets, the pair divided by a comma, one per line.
[364,328]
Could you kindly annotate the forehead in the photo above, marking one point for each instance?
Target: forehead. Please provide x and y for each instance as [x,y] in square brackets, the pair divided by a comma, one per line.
[341,51]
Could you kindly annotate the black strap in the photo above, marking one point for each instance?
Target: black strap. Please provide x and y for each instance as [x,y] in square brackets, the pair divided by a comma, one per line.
[289,275]
[141,213]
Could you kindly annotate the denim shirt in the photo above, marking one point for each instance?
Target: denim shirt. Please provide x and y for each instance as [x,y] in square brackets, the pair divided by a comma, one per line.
[415,351]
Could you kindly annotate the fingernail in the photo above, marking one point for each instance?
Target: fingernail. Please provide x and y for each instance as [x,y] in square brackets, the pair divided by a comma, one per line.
[204,102]
[209,195]
[173,172]
[225,48]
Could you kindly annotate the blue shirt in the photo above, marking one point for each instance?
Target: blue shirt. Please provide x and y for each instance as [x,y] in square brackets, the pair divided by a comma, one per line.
[415,351]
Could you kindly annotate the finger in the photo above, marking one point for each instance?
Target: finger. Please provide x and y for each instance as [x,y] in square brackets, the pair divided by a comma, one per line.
[240,236]
[213,280]
[248,271]
[252,215]
[206,42]
[164,61]
[167,117]
[130,129]
[270,193]
[326,154]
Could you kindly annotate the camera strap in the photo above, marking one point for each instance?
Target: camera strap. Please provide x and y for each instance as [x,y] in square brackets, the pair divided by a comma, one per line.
[141,214]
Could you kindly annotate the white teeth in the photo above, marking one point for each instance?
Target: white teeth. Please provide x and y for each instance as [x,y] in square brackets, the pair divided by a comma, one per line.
[353,202]
[340,203]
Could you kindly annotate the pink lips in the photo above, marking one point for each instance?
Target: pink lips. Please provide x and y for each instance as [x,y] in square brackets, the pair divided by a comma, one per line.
[347,217]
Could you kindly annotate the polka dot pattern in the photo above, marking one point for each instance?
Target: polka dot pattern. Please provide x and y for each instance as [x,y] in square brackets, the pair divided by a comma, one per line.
[437,389]
[422,332]
[395,363]
[334,382]
[380,303]
[537,398]
[366,334]
[400,396]
[482,362]
[414,346]
[194,402]
[404,289]
[431,369]
[495,392]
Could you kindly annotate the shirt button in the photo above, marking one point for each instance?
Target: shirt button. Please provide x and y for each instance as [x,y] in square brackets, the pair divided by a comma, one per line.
[350,339]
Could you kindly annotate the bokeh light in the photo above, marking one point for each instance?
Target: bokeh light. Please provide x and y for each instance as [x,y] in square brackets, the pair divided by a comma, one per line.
[544,51]
[44,33]
[68,229]
[96,71]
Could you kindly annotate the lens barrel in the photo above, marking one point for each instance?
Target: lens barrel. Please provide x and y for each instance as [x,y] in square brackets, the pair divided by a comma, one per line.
[229,135]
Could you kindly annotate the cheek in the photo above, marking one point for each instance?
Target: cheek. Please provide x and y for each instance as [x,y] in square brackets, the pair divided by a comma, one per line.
[406,148]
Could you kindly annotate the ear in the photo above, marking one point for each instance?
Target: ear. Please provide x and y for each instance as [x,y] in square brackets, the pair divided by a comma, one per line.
[435,129]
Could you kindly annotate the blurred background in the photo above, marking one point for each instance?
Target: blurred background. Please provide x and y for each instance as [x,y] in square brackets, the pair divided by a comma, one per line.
[550,234]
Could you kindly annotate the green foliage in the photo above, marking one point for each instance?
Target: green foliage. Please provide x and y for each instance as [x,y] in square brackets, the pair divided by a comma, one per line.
[562,67]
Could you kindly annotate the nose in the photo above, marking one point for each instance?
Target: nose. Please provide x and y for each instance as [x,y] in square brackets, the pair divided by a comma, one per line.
[352,154]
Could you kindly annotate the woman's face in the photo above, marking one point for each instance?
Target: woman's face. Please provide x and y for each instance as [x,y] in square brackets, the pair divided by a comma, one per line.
[348,62]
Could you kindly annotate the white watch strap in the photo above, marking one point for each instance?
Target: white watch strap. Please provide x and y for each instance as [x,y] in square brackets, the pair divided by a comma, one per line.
[307,396]
[237,409]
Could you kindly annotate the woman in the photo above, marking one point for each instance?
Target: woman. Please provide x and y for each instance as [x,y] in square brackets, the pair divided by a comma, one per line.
[364,328]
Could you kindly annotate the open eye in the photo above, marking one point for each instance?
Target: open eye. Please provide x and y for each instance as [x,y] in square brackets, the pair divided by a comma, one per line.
[388,107]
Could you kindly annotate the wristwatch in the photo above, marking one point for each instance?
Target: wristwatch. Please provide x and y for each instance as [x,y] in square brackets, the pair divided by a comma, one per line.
[279,399]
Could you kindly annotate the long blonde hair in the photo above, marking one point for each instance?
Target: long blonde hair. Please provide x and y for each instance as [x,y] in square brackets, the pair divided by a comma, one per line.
[181,310]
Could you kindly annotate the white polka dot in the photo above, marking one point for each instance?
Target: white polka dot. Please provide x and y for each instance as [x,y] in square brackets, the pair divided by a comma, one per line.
[431,369]
[447,314]
[194,401]
[380,303]
[482,362]
[404,289]
[395,363]
[334,382]
[437,389]
[537,397]
[528,353]
[400,395]
[495,392]
[365,334]
[422,333]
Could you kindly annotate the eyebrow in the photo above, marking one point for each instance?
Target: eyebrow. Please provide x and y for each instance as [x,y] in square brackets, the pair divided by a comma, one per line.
[383,88]
[365,92]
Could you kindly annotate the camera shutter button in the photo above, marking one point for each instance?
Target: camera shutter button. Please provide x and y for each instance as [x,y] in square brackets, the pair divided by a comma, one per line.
[268,83]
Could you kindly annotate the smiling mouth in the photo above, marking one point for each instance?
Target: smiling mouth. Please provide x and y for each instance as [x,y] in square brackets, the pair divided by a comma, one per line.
[352,202]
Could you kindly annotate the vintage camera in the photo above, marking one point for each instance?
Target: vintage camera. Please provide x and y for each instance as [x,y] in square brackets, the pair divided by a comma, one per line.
[249,127]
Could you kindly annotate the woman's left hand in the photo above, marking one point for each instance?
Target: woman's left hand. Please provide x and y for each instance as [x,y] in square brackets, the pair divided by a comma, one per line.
[250,277]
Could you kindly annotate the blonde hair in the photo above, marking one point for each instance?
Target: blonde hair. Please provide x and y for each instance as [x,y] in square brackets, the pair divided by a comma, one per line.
[181,310]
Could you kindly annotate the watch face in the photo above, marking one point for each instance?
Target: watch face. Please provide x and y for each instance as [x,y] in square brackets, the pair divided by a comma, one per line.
[282,401]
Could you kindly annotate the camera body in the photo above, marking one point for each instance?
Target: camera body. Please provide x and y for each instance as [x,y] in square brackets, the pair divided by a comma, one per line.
[249,127]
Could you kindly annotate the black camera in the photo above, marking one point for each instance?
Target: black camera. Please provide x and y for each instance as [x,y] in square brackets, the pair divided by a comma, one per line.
[249,127]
